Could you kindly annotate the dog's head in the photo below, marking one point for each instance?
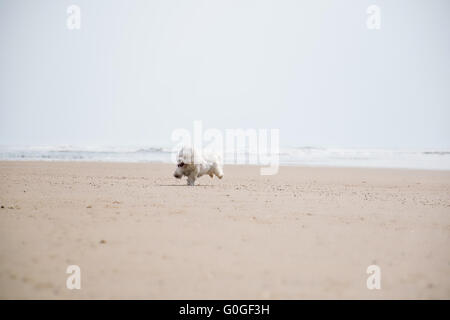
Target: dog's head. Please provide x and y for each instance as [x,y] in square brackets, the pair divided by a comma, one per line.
[179,171]
[187,162]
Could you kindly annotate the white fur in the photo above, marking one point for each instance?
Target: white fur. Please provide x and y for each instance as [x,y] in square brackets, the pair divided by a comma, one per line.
[196,164]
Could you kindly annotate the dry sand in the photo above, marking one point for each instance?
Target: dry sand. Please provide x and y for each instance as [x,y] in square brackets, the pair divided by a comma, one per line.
[136,232]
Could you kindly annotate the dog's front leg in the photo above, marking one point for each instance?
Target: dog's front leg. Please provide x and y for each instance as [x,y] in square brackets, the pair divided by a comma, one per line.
[191,179]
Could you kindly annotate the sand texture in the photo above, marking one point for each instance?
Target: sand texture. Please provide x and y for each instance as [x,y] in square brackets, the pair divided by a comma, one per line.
[305,233]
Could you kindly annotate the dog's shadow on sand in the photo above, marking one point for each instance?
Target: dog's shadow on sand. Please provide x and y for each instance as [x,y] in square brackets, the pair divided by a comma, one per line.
[184,185]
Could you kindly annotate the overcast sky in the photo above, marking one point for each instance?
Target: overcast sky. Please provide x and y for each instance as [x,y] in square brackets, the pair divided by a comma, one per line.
[136,70]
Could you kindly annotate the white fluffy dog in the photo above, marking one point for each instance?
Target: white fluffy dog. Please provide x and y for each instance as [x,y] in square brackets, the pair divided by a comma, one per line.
[193,165]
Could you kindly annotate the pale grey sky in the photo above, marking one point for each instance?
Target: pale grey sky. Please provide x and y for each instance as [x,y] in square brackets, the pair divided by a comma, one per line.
[136,70]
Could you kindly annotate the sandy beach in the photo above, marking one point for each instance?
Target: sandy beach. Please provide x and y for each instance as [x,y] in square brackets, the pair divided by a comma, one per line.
[138,233]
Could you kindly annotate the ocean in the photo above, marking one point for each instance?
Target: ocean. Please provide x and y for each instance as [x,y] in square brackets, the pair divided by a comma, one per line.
[305,156]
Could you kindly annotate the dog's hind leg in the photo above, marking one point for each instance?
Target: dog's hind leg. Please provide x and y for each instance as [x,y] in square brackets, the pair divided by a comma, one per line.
[218,171]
